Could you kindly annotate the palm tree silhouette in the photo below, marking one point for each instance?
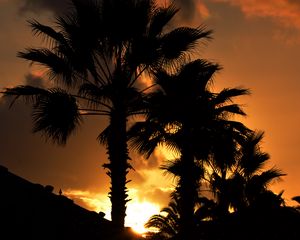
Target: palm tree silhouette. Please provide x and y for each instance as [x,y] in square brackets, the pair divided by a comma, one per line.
[96,55]
[244,188]
[185,116]
[166,223]
[242,182]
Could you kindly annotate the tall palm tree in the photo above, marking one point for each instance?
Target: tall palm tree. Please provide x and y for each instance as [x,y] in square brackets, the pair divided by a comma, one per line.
[185,117]
[95,56]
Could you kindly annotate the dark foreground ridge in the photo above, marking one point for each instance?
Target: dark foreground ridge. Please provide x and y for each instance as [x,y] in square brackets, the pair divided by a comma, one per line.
[32,211]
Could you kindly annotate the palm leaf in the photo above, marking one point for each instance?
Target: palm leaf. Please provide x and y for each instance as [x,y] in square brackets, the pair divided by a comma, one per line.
[167,221]
[145,137]
[230,109]
[161,17]
[58,67]
[252,159]
[104,135]
[96,93]
[47,32]
[56,115]
[227,94]
[197,75]
[182,39]
[28,93]
[262,181]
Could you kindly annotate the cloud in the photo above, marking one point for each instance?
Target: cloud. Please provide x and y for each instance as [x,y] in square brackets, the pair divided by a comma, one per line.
[34,80]
[89,200]
[158,195]
[191,11]
[284,12]
[36,6]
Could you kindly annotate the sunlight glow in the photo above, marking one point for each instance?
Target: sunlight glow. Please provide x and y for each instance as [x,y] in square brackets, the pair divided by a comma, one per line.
[90,200]
[163,153]
[138,213]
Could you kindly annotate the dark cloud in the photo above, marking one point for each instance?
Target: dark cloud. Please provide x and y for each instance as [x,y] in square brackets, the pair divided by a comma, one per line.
[36,6]
[188,9]
[33,80]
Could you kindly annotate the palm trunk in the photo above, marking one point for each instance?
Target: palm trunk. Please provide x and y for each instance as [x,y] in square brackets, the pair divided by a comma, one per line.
[223,198]
[118,166]
[118,148]
[188,189]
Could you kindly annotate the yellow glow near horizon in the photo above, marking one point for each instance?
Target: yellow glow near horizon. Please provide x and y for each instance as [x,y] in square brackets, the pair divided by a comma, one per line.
[138,213]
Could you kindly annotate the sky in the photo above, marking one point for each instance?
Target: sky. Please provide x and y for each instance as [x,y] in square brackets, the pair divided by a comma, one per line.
[256,42]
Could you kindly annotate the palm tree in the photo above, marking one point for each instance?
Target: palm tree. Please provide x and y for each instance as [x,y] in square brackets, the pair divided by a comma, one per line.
[166,223]
[243,182]
[96,55]
[184,117]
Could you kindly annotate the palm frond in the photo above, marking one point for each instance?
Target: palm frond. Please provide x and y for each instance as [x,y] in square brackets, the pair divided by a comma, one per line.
[58,67]
[263,180]
[161,17]
[227,94]
[103,136]
[56,115]
[182,39]
[230,109]
[240,128]
[96,94]
[253,159]
[173,167]
[198,74]
[47,32]
[167,221]
[29,94]
[144,137]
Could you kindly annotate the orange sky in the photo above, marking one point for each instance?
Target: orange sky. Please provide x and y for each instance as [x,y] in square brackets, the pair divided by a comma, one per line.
[256,42]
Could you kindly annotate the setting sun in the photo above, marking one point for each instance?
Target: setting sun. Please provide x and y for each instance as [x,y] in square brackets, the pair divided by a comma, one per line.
[138,213]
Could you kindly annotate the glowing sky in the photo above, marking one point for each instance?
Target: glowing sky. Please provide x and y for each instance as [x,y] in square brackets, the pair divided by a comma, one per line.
[257,43]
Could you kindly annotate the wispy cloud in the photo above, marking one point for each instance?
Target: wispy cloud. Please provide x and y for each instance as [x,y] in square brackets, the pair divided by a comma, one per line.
[284,12]
[90,200]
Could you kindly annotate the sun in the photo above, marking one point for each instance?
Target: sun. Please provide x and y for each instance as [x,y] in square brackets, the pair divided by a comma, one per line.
[138,213]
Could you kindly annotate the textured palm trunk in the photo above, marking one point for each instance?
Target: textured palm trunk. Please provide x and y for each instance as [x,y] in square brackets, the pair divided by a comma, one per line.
[118,166]
[188,193]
